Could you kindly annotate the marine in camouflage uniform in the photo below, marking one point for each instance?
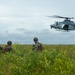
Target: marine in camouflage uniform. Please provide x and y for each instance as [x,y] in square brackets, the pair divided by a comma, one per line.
[1,48]
[37,46]
[8,47]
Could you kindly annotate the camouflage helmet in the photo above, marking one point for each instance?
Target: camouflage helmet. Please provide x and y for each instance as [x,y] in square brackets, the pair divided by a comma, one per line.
[9,42]
[35,39]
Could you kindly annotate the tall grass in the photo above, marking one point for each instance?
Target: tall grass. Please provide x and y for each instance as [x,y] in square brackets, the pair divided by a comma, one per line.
[53,60]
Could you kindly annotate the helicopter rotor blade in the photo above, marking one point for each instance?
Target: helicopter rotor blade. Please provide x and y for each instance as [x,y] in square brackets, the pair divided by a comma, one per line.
[56,16]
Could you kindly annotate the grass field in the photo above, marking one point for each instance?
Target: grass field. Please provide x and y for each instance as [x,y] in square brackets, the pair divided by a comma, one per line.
[53,60]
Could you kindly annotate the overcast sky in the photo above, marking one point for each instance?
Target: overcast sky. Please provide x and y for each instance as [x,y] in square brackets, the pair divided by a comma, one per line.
[21,20]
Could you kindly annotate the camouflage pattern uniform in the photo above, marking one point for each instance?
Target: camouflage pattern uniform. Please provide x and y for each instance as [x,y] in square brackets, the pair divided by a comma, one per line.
[37,46]
[8,47]
[1,48]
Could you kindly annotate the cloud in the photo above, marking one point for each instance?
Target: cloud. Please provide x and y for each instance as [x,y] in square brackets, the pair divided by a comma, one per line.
[45,36]
[21,20]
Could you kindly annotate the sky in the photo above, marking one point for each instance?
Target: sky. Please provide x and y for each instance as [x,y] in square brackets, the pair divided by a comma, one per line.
[22,20]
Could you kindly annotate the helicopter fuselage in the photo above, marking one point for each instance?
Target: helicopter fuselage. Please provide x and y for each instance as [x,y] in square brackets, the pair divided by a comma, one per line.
[64,25]
[67,24]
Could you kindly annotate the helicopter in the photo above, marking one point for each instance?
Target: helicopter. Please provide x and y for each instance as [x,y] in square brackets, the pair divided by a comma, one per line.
[66,24]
